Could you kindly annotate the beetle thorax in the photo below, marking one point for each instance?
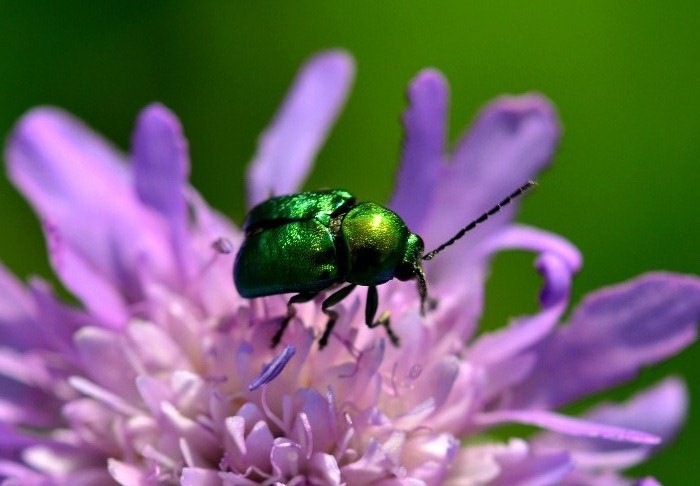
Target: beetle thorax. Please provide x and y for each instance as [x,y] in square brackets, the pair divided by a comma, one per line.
[374,240]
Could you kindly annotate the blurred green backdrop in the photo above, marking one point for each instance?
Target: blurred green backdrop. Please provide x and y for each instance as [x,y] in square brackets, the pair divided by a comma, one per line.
[623,74]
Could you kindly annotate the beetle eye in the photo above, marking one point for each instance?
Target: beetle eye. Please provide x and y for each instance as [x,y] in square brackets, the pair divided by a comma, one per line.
[405,271]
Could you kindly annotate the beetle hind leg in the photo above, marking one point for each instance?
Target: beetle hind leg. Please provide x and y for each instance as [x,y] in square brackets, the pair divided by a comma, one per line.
[291,313]
[332,300]
[371,310]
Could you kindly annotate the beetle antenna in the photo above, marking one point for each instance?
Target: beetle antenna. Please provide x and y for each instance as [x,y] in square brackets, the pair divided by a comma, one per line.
[519,191]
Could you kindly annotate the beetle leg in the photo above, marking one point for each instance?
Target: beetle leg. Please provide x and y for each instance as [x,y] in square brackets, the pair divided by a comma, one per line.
[426,303]
[371,310]
[332,300]
[291,312]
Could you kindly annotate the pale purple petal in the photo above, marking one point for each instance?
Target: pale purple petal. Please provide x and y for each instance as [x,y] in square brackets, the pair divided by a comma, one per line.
[369,468]
[106,362]
[103,396]
[647,481]
[20,475]
[199,437]
[313,422]
[195,476]
[557,279]
[101,242]
[541,470]
[286,150]
[287,458]
[24,405]
[161,169]
[611,335]
[483,462]
[324,470]
[660,410]
[56,322]
[207,227]
[566,425]
[425,124]
[17,313]
[96,291]
[522,334]
[523,237]
[259,443]
[12,439]
[511,141]
[125,473]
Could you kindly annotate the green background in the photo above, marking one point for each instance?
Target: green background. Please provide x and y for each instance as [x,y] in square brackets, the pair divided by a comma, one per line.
[624,76]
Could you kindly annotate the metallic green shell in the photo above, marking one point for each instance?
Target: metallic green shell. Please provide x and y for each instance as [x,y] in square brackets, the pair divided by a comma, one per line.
[299,256]
[375,243]
[304,243]
[276,211]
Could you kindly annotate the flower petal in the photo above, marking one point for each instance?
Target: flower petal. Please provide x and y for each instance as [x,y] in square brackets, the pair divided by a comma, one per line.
[56,322]
[324,470]
[17,313]
[287,148]
[161,169]
[423,156]
[287,458]
[523,237]
[457,282]
[660,410]
[496,347]
[258,446]
[482,463]
[107,362]
[611,335]
[510,142]
[125,473]
[100,246]
[21,475]
[565,425]
[647,481]
[541,470]
[512,139]
[196,476]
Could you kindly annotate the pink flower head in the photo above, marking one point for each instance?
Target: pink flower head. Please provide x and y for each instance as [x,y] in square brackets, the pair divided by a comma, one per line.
[165,375]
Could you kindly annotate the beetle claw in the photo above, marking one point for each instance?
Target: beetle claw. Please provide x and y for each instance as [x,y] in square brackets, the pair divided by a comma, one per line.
[385,322]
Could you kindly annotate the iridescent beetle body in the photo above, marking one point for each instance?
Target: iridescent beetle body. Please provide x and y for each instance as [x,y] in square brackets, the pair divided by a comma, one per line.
[307,243]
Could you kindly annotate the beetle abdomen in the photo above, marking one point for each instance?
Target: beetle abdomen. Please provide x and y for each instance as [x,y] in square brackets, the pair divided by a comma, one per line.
[298,256]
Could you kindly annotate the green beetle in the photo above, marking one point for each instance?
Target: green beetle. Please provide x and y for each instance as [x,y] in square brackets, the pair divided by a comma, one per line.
[309,242]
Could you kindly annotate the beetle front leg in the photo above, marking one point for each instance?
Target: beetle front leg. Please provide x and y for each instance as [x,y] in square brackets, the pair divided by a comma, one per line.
[291,312]
[426,303]
[371,310]
[332,300]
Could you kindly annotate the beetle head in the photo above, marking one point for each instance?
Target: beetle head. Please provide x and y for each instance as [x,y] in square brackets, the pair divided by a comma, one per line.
[410,264]
[411,267]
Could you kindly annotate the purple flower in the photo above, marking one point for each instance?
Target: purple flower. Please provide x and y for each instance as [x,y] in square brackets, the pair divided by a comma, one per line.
[165,374]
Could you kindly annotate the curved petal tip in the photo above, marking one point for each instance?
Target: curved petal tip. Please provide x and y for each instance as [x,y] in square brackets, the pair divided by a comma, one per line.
[515,110]
[287,148]
[337,60]
[428,82]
